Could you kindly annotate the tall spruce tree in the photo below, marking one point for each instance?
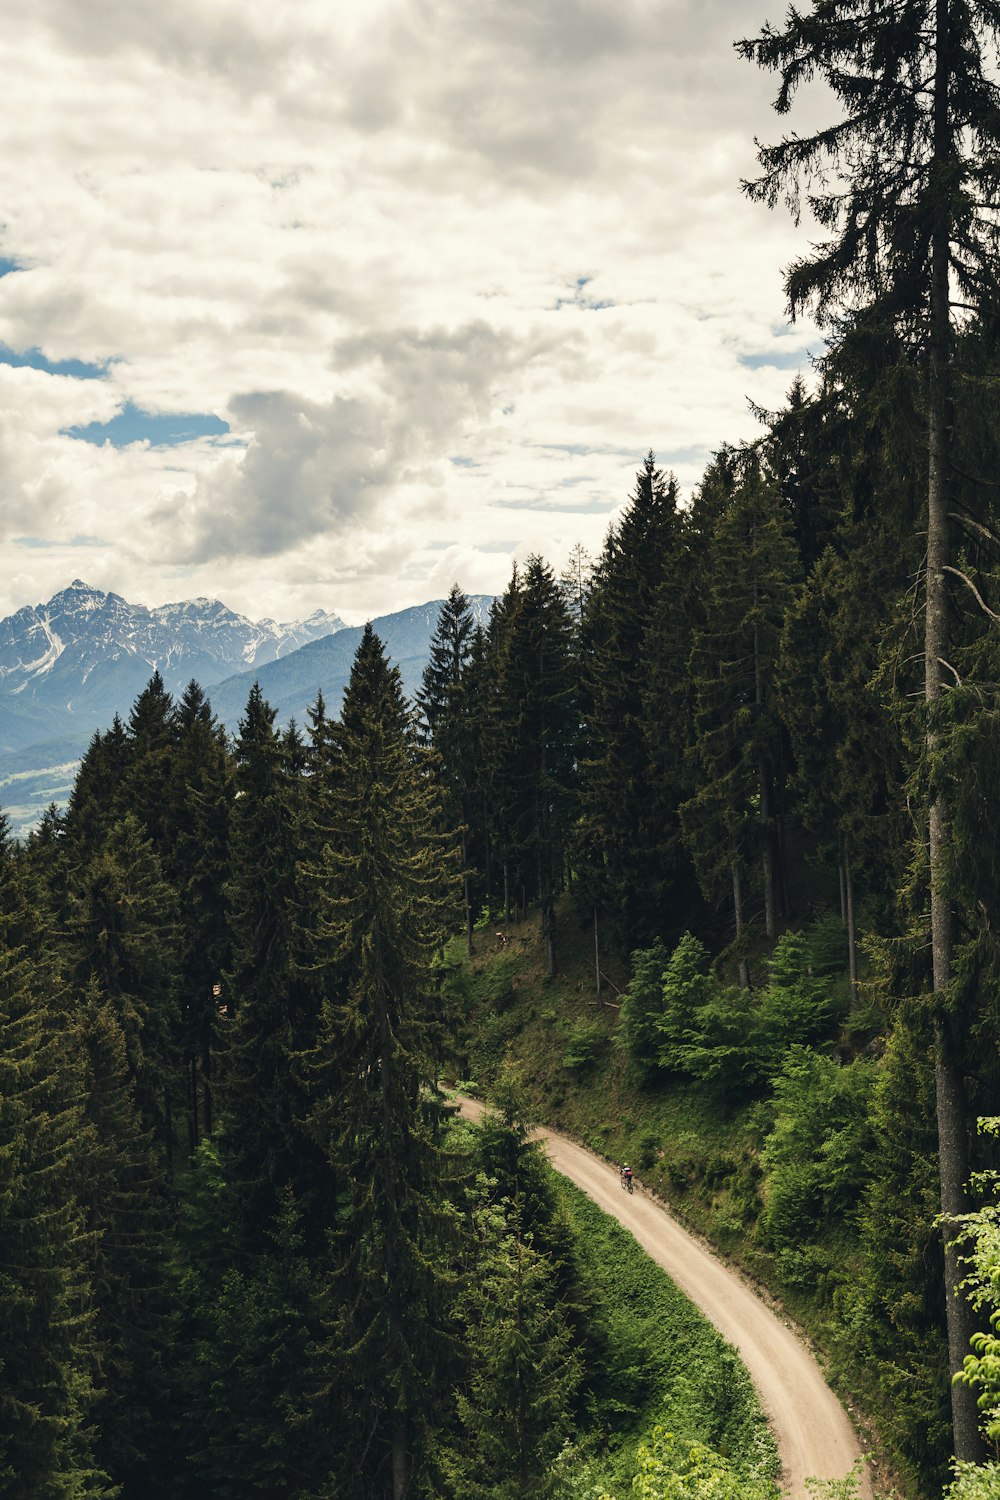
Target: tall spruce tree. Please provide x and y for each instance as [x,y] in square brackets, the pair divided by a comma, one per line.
[201,799]
[389,894]
[515,1404]
[621,843]
[126,1214]
[907,184]
[123,935]
[537,729]
[260,995]
[48,1360]
[444,701]
[730,821]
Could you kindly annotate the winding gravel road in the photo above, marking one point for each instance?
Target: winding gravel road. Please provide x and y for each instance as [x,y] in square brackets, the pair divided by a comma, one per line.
[811,1428]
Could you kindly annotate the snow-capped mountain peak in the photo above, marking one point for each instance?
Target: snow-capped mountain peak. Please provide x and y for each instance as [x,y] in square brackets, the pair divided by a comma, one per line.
[83,648]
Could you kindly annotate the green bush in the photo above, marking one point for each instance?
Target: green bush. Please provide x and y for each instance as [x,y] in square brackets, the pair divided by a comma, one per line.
[720,1034]
[585,1041]
[642,1010]
[975,1482]
[815,1152]
[488,1043]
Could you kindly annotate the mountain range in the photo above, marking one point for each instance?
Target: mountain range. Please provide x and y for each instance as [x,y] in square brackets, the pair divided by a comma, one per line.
[68,666]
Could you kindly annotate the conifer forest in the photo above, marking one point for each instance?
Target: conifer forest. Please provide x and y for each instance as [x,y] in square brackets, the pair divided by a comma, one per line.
[747,760]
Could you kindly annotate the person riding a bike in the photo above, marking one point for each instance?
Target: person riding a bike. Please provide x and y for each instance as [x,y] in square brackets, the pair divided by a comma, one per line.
[626,1176]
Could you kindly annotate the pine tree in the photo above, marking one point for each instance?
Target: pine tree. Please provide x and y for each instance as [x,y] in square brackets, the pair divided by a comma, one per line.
[267,1421]
[620,842]
[123,936]
[444,702]
[515,1405]
[537,732]
[201,799]
[908,187]
[730,821]
[261,1131]
[845,742]
[126,1214]
[48,1366]
[390,891]
[146,788]
[96,790]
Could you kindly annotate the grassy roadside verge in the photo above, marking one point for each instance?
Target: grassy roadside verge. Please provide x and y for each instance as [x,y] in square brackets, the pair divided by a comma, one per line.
[700,1153]
[665,1362]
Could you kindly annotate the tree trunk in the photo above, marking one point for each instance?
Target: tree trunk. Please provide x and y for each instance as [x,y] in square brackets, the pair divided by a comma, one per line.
[767,849]
[400,1478]
[548,913]
[951,1113]
[206,1074]
[781,856]
[852,935]
[488,859]
[597,958]
[194,1102]
[738,914]
[465,893]
[764,791]
[506,894]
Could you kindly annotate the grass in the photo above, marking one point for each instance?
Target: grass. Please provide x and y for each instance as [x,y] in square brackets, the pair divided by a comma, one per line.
[664,1363]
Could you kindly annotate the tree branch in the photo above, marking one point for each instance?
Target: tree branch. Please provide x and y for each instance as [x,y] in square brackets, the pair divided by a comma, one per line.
[947,568]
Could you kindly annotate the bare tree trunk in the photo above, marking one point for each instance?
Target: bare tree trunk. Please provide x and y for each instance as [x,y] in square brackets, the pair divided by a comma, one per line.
[852,934]
[597,957]
[465,893]
[548,912]
[738,914]
[951,1110]
[764,791]
[400,1476]
[488,846]
[779,835]
[767,851]
[206,1074]
[843,885]
[194,1101]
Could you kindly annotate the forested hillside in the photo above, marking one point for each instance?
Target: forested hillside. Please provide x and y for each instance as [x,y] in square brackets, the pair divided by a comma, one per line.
[747,755]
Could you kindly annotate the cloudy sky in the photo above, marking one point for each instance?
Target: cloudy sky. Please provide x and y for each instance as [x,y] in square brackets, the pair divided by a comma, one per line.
[333,304]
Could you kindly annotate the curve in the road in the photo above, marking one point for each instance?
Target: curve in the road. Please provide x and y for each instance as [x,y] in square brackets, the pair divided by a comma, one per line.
[811,1428]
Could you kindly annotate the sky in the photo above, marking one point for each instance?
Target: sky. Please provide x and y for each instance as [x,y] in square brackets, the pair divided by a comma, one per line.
[311,305]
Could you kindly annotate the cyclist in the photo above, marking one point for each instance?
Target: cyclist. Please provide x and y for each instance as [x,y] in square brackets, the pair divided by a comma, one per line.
[626,1176]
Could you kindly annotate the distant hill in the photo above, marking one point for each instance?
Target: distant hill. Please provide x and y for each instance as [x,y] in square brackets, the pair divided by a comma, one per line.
[66,669]
[290,685]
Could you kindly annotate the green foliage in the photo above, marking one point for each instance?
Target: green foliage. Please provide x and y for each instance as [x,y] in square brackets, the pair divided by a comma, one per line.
[585,1040]
[898,1313]
[981,1237]
[49,1367]
[974,1482]
[674,1468]
[386,899]
[514,1405]
[816,1150]
[654,1359]
[721,1035]
[642,1009]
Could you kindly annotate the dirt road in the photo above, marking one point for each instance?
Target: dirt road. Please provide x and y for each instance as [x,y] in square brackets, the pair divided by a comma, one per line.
[813,1433]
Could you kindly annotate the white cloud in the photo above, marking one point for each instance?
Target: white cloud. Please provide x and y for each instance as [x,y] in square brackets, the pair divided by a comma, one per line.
[359,236]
